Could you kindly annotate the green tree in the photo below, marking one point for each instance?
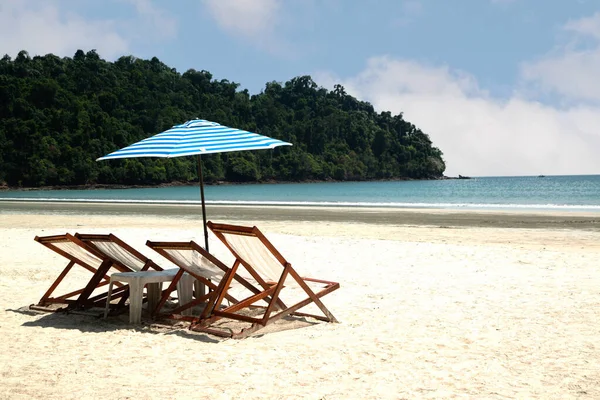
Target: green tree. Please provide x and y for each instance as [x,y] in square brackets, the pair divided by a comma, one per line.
[57,115]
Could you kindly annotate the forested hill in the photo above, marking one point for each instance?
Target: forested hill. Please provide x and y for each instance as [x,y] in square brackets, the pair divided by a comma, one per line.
[57,115]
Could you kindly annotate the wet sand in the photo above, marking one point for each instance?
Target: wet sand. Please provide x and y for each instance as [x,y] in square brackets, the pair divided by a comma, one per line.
[384,216]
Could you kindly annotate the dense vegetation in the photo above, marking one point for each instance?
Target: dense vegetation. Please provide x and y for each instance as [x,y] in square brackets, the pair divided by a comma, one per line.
[57,115]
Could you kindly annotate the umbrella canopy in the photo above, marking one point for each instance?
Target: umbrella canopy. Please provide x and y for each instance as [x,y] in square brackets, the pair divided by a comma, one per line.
[196,137]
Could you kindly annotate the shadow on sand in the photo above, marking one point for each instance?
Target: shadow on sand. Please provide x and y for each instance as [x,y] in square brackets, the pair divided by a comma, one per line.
[92,322]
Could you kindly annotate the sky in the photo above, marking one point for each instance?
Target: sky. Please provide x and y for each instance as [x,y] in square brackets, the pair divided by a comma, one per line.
[502,87]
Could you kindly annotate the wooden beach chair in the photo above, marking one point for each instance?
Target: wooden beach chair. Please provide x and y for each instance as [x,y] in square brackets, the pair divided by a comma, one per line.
[101,255]
[127,259]
[257,257]
[194,260]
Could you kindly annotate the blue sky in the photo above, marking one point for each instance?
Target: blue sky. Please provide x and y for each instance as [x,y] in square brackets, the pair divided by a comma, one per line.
[503,87]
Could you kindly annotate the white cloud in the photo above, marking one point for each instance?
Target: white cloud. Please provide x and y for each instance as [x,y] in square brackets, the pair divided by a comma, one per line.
[255,21]
[44,27]
[481,135]
[571,70]
[246,18]
[589,26]
[153,20]
[41,28]
[410,10]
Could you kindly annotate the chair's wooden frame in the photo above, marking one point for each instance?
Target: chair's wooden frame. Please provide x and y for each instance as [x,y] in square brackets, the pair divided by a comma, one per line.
[208,298]
[122,293]
[81,299]
[269,293]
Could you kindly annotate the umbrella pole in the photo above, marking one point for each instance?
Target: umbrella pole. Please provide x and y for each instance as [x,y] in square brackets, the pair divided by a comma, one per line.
[203,205]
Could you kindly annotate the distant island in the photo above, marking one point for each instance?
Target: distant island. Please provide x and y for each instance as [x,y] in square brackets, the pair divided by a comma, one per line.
[57,115]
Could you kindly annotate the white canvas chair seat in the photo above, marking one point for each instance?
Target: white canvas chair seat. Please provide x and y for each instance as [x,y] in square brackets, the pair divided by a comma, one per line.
[194,260]
[252,249]
[102,255]
[257,257]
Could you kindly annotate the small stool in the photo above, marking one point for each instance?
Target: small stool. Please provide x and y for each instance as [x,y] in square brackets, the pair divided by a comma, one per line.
[154,279]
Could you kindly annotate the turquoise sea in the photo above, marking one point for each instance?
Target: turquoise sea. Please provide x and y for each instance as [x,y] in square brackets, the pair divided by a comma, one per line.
[576,193]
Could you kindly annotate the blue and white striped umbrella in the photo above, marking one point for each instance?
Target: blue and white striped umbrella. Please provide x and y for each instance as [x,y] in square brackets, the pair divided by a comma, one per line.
[196,137]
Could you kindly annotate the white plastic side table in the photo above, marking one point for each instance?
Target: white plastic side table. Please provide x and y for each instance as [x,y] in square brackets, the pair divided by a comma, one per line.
[153,280]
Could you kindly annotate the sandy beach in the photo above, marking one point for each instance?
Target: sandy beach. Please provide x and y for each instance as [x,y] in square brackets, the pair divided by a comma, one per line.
[433,304]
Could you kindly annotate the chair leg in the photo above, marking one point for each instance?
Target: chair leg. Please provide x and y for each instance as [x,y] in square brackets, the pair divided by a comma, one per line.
[167,293]
[184,292]
[92,285]
[106,308]
[58,280]
[199,289]
[136,290]
[154,292]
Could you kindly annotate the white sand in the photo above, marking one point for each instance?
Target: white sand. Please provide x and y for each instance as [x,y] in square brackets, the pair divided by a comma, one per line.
[425,312]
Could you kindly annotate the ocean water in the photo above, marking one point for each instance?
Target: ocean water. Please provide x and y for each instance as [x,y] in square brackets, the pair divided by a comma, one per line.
[576,193]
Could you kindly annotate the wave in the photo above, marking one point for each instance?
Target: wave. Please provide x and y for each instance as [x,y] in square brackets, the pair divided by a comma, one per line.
[320,204]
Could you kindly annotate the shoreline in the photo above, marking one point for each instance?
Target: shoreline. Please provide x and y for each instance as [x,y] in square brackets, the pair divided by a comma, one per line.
[109,186]
[523,219]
